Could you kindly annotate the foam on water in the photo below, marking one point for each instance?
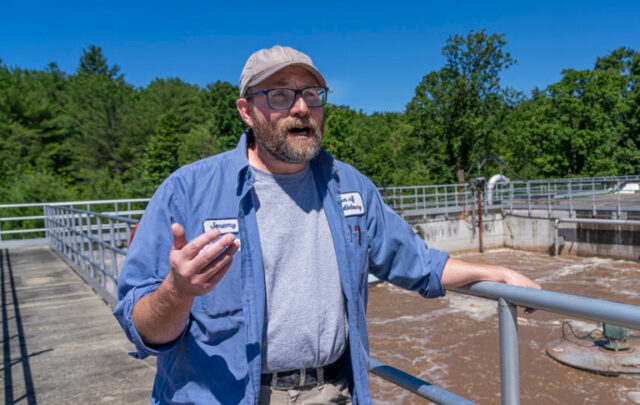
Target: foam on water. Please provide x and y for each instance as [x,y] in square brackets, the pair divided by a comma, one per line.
[477,308]
[634,396]
[565,271]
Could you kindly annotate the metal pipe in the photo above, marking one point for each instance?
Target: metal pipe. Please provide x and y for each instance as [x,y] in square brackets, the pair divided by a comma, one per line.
[480,249]
[599,221]
[509,364]
[529,197]
[415,385]
[593,196]
[572,305]
[570,201]
[555,236]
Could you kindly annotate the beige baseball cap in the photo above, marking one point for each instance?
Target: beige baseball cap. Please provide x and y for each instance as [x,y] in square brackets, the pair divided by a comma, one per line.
[265,62]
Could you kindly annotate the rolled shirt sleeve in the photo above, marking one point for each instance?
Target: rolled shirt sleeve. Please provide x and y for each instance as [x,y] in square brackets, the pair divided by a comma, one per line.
[147,263]
[398,255]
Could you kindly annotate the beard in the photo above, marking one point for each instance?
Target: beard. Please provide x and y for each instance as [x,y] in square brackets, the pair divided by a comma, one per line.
[280,140]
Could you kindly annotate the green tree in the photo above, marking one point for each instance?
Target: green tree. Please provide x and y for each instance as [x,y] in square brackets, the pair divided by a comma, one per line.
[222,128]
[95,63]
[583,125]
[226,125]
[339,132]
[456,110]
[31,120]
[161,157]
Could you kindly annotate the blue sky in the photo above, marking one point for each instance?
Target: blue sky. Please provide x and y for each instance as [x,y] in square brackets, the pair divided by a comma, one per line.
[372,53]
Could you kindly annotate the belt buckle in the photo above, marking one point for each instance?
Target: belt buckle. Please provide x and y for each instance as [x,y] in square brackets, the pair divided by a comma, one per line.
[298,379]
[286,382]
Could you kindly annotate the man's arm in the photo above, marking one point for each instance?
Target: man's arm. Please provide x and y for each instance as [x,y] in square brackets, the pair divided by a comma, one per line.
[457,273]
[161,316]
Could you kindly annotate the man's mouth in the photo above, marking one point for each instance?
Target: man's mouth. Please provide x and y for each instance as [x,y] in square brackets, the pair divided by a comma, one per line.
[300,131]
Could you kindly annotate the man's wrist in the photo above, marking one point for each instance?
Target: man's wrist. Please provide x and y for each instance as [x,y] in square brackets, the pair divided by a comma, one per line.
[171,291]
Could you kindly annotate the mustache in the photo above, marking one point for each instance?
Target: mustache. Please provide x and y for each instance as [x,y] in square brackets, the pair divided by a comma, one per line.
[297,122]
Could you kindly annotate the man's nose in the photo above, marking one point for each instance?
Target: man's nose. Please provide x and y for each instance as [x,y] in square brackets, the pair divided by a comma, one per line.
[299,106]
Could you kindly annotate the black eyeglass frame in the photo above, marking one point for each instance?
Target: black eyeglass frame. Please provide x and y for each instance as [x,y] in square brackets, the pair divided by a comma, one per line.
[295,96]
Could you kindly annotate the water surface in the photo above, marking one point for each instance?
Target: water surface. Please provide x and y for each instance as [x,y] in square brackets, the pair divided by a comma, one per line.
[453,341]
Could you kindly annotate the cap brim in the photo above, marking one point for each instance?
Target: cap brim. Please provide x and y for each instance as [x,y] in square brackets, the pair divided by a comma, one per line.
[264,75]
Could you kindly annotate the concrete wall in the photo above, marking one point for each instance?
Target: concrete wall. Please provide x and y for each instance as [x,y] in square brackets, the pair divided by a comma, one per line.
[615,241]
[532,233]
[456,235]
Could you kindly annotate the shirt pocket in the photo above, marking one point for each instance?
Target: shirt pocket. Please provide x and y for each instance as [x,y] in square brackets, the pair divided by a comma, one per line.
[225,299]
[358,241]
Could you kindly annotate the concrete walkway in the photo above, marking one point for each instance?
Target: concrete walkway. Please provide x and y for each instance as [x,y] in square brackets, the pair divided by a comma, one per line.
[61,345]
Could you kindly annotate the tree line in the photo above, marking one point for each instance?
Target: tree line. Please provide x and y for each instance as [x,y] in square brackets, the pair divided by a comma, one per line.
[92,135]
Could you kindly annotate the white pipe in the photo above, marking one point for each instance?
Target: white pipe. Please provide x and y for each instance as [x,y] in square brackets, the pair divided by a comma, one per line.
[495,179]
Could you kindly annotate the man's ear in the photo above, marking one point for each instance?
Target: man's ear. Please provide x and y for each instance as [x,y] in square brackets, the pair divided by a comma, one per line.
[245,111]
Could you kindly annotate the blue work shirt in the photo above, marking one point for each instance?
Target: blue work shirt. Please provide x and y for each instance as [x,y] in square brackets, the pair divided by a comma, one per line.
[217,360]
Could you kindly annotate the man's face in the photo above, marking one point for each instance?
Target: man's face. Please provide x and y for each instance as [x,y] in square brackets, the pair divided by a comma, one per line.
[293,135]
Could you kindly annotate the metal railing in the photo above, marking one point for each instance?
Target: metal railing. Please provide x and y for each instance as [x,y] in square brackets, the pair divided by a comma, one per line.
[22,224]
[554,194]
[424,200]
[92,243]
[509,297]
[415,385]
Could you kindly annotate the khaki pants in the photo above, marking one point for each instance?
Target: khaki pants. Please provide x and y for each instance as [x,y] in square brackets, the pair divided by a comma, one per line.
[331,392]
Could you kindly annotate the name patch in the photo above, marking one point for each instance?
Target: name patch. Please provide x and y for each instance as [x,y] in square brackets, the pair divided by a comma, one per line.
[352,204]
[223,225]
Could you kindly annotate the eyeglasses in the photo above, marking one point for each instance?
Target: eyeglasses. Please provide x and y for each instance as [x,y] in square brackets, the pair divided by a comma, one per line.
[283,99]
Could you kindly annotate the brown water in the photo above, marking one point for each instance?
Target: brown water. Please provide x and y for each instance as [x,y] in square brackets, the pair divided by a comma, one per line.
[453,341]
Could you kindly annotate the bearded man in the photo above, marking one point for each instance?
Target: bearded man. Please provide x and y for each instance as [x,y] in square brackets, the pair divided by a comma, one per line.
[248,275]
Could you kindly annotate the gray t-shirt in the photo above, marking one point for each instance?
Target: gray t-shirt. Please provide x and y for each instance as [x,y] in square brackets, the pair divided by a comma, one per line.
[306,323]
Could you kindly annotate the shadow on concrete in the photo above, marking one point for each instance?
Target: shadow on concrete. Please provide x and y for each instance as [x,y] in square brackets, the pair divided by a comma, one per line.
[11,298]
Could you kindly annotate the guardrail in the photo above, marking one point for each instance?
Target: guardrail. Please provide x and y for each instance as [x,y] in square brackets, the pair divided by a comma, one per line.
[553,194]
[93,244]
[509,297]
[22,224]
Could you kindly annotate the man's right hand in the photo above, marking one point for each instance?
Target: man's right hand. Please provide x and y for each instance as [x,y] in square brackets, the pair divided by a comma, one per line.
[197,266]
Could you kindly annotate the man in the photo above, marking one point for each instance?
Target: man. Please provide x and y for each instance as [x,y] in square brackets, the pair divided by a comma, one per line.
[248,275]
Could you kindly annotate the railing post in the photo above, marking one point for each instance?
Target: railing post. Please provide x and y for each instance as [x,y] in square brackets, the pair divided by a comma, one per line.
[89,246]
[114,259]
[509,364]
[511,197]
[556,222]
[593,197]
[529,198]
[549,198]
[466,200]
[570,201]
